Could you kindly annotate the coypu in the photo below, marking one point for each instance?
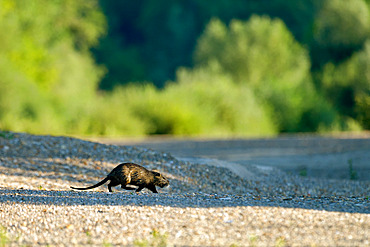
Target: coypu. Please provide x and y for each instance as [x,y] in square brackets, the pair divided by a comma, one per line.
[132,174]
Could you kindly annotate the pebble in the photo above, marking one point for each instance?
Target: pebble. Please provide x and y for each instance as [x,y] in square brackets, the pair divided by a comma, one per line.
[204,205]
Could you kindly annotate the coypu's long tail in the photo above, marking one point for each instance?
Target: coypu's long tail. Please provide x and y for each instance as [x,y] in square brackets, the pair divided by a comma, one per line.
[93,186]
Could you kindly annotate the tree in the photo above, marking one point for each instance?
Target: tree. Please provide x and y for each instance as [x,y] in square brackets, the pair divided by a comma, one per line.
[347,86]
[262,54]
[45,61]
[341,27]
[148,40]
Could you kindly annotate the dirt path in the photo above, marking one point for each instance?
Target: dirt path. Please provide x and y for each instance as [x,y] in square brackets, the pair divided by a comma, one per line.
[204,206]
[338,157]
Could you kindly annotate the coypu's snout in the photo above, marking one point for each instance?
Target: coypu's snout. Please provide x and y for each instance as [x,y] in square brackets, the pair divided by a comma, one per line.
[164,185]
[160,180]
[163,182]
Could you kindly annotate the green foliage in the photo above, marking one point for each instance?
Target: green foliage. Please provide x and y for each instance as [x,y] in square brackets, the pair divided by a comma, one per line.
[201,102]
[342,23]
[6,135]
[48,74]
[157,239]
[164,114]
[4,238]
[243,78]
[148,40]
[319,116]
[23,107]
[222,106]
[362,110]
[253,52]
[352,172]
[347,86]
[253,240]
[280,242]
[34,38]
[341,27]
[303,171]
[263,55]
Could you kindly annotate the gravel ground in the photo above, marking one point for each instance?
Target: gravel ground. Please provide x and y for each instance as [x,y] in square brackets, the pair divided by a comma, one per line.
[204,205]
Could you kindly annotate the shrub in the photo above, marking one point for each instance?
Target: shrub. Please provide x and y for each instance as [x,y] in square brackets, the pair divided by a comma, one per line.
[228,108]
[202,101]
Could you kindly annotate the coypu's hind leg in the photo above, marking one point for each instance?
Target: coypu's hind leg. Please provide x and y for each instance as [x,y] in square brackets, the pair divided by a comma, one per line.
[112,184]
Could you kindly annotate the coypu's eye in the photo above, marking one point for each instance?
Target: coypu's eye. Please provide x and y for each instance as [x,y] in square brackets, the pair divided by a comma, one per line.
[157,174]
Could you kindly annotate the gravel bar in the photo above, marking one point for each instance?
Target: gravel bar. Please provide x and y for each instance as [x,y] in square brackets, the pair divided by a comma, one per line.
[204,205]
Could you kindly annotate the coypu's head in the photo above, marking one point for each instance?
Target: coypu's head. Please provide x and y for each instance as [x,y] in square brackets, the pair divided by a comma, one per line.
[159,180]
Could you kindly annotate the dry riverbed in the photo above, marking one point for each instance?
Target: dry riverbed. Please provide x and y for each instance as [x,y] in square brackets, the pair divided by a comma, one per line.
[205,205]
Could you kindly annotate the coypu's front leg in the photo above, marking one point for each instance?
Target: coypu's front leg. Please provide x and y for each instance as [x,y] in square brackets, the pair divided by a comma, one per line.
[152,188]
[139,189]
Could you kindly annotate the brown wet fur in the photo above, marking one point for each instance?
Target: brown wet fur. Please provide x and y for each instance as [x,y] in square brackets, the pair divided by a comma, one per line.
[132,174]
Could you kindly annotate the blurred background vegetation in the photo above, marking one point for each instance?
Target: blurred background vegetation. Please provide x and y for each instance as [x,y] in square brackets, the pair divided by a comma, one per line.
[226,68]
